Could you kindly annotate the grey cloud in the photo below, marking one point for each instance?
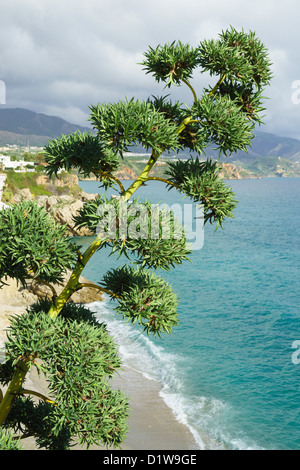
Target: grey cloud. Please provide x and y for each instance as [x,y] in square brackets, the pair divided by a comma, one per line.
[61,56]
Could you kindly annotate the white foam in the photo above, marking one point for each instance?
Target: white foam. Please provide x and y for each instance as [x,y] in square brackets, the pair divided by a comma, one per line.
[202,415]
[140,353]
[135,348]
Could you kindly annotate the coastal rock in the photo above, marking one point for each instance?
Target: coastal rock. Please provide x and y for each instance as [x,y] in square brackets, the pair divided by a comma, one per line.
[125,173]
[84,296]
[15,299]
[63,208]
[229,171]
[22,195]
[68,180]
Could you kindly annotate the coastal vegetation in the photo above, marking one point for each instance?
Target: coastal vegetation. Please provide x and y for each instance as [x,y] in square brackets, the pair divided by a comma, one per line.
[63,340]
[38,184]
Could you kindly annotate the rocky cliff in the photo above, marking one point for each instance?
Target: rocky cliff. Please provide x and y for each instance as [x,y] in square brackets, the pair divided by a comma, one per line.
[229,171]
[63,208]
[62,200]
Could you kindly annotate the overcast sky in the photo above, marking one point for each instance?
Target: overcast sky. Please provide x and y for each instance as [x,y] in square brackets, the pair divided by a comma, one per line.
[60,56]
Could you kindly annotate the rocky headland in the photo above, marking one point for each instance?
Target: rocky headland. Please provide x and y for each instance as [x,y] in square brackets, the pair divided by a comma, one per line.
[61,197]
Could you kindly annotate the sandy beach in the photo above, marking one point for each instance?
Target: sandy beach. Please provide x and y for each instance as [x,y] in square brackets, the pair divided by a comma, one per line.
[152,424]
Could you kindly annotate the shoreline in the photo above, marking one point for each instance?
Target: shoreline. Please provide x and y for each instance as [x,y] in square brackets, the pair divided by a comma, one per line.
[152,424]
[152,404]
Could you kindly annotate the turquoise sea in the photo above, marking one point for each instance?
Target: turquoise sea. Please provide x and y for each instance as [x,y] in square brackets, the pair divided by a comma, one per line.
[231,370]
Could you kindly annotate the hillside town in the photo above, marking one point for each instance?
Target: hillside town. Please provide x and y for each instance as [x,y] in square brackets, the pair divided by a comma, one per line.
[17,165]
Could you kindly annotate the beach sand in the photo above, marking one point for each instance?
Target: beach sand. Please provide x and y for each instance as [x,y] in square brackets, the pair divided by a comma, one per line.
[152,424]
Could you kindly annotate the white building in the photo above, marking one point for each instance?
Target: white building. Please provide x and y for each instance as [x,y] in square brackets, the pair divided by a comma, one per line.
[4,160]
[7,164]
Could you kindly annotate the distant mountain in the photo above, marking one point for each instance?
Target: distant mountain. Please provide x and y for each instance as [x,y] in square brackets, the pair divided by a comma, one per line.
[18,126]
[21,126]
[264,144]
[271,145]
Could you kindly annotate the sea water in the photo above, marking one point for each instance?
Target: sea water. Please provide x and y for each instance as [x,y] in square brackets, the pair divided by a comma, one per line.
[231,370]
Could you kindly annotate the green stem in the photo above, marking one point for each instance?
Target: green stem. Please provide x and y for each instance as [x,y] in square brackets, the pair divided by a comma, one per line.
[191,88]
[185,123]
[94,286]
[73,282]
[47,284]
[13,390]
[164,180]
[143,176]
[24,391]
[109,175]
[89,285]
[221,79]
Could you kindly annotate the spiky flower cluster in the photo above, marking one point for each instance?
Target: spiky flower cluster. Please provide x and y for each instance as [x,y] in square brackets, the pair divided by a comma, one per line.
[239,56]
[200,181]
[32,245]
[82,151]
[131,122]
[171,63]
[143,297]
